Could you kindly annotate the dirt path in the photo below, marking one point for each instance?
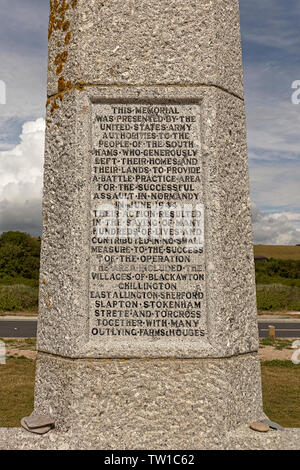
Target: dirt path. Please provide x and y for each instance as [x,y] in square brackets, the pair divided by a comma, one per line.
[279,315]
[18,314]
[21,352]
[268,353]
[18,347]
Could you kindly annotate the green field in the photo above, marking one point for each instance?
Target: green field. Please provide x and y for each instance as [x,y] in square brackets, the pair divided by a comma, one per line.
[16,390]
[278,251]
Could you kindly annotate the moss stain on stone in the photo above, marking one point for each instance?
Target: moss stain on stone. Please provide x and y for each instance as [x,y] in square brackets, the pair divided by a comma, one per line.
[57,18]
[63,86]
[81,86]
[61,58]
[54,106]
[68,38]
[65,26]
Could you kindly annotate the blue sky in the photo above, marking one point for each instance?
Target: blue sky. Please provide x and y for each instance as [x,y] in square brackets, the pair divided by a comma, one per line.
[23,64]
[271,46]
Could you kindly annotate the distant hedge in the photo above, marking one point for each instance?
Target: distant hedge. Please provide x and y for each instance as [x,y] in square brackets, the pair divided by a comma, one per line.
[19,256]
[278,271]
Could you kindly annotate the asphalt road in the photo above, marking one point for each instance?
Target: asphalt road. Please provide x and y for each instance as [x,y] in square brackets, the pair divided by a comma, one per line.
[27,328]
[287,329]
[18,329]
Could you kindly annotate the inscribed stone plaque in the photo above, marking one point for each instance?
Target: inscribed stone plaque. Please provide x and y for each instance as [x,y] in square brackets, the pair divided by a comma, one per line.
[147,270]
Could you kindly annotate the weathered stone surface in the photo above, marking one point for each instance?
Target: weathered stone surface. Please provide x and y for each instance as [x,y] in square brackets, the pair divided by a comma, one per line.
[230,283]
[242,438]
[149,42]
[35,430]
[140,403]
[259,426]
[38,421]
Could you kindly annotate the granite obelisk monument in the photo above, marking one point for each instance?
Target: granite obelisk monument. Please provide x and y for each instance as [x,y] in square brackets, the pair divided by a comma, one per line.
[147,332]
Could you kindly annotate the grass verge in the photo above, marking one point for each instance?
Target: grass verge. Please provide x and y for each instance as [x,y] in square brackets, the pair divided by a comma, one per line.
[18,298]
[277,343]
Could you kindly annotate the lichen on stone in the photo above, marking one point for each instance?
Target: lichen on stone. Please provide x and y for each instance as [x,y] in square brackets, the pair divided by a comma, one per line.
[67,38]
[63,86]
[58,21]
[58,10]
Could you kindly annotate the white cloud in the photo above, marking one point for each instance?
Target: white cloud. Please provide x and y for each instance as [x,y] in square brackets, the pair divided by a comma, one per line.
[273,124]
[274,229]
[276,187]
[21,171]
[292,217]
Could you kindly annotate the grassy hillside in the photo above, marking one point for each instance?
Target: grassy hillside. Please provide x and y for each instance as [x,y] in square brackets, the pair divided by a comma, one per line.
[278,281]
[278,251]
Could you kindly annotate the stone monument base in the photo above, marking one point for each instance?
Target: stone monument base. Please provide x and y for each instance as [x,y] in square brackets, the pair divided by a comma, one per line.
[150,404]
[242,438]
